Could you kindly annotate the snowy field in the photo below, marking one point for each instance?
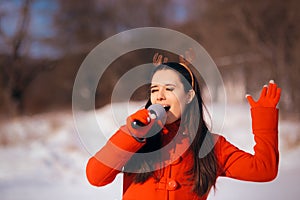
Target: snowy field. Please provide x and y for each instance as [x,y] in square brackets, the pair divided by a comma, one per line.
[43,157]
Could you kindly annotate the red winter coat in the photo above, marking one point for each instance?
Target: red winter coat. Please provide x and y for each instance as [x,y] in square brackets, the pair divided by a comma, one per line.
[262,166]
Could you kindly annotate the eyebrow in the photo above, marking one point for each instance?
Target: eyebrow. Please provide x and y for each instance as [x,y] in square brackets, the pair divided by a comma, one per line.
[169,84]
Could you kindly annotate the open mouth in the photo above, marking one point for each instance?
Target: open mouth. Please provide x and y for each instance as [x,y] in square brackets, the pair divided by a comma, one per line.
[167,108]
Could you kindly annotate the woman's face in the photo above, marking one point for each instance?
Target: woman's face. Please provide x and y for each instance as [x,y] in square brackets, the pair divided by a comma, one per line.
[168,90]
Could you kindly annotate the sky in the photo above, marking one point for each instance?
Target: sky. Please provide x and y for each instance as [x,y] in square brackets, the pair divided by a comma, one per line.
[40,25]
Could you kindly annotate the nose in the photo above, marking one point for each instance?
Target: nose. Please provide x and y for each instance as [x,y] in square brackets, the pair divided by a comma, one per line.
[161,95]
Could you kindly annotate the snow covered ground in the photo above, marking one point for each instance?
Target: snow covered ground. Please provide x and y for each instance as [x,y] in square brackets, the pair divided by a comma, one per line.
[43,157]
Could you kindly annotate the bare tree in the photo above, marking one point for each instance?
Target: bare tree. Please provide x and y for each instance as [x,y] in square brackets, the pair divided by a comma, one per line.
[267,30]
[271,29]
[81,25]
[17,70]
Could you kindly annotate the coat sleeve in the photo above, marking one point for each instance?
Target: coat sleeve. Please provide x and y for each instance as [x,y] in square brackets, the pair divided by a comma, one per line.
[103,167]
[263,165]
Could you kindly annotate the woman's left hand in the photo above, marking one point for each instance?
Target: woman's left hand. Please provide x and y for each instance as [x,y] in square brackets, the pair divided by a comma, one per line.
[269,96]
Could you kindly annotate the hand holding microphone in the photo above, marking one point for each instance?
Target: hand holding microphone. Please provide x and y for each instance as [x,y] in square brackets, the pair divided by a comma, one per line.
[140,124]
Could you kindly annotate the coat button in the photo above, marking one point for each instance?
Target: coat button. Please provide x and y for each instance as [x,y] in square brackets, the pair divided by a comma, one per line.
[172,184]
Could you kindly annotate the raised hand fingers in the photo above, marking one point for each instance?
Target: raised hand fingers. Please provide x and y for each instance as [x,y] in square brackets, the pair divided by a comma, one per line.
[250,100]
[273,94]
[272,89]
[264,91]
[269,96]
[278,93]
[270,92]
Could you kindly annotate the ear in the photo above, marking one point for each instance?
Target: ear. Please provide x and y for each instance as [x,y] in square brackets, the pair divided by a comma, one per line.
[190,96]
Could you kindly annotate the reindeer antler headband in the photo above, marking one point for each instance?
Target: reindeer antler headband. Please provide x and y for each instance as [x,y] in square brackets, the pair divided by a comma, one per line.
[158,59]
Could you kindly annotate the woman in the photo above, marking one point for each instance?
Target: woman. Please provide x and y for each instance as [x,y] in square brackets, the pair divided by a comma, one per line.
[175,168]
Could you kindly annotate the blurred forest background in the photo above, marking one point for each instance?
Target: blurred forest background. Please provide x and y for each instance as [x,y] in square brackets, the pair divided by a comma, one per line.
[43,43]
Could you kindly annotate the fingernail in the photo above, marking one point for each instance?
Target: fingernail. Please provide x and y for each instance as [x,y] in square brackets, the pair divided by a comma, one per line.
[247,95]
[148,119]
[265,85]
[272,81]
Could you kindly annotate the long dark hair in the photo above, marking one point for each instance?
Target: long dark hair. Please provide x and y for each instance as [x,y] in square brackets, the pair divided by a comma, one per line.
[204,169]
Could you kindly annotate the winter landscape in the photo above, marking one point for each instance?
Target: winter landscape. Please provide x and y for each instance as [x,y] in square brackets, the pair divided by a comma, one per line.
[44,147]
[44,157]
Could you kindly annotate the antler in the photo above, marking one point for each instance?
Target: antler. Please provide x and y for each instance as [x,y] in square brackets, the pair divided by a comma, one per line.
[188,57]
[158,59]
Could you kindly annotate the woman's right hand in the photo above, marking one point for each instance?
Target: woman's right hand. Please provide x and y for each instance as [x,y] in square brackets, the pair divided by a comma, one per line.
[146,121]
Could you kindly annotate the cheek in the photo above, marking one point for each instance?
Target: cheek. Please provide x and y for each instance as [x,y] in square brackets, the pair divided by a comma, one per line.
[180,99]
[152,98]
[179,108]
[179,102]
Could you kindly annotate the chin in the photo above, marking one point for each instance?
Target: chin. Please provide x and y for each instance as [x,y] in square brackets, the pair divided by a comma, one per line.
[171,117]
[170,121]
